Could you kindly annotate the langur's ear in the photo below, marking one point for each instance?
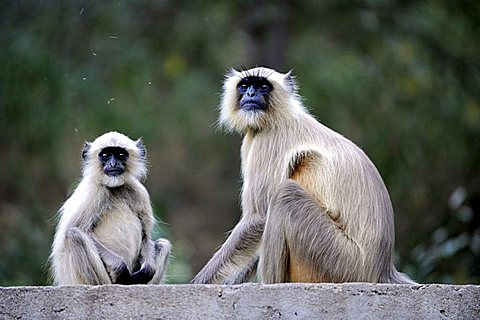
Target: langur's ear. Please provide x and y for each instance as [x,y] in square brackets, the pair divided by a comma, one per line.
[290,81]
[141,148]
[85,149]
[233,73]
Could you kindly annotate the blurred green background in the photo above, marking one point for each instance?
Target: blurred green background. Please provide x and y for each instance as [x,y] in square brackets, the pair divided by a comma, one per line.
[399,78]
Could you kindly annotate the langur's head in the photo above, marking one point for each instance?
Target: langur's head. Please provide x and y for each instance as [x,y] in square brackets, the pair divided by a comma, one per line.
[113,158]
[258,99]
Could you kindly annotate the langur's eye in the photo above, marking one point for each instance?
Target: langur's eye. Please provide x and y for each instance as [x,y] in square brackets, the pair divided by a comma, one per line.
[264,88]
[243,87]
[104,156]
[122,156]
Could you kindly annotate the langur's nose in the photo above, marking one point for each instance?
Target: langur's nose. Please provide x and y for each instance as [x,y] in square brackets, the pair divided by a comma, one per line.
[112,163]
[251,91]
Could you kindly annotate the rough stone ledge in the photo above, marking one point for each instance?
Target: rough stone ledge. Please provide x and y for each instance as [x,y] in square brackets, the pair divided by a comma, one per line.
[247,301]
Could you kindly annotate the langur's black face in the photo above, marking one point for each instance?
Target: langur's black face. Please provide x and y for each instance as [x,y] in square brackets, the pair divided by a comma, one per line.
[114,160]
[254,93]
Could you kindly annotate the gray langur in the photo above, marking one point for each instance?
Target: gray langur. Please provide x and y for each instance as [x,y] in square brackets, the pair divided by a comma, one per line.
[105,227]
[314,207]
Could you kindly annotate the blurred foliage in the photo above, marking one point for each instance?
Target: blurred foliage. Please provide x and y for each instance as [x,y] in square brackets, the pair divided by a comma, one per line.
[399,78]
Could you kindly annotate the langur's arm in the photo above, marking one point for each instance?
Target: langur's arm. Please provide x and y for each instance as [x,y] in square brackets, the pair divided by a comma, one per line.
[147,249]
[244,274]
[81,211]
[239,248]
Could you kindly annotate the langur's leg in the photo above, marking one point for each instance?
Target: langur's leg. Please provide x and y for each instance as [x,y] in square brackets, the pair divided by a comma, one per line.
[83,264]
[301,243]
[162,253]
[155,255]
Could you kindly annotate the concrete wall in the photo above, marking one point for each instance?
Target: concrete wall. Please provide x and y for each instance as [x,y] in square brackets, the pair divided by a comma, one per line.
[247,301]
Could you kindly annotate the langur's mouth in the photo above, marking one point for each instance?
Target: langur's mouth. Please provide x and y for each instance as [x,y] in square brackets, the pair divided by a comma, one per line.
[114,172]
[252,106]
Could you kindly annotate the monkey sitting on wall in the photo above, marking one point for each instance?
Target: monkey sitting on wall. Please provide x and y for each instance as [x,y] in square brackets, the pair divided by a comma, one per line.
[314,207]
[104,233]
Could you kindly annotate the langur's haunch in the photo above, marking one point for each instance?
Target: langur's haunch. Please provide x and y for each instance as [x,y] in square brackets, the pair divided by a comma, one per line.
[315,208]
[104,233]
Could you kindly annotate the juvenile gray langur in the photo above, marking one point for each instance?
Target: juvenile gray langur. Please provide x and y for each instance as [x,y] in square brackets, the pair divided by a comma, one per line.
[314,207]
[105,227]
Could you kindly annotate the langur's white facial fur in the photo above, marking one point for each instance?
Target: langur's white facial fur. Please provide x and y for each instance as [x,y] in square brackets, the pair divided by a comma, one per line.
[283,102]
[135,167]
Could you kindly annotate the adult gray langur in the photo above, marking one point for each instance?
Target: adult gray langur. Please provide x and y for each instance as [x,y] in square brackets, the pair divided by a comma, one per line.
[105,227]
[314,207]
